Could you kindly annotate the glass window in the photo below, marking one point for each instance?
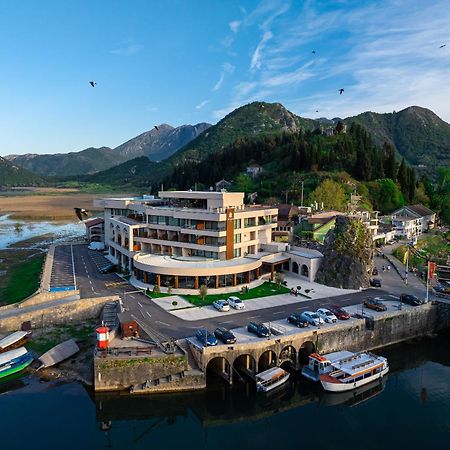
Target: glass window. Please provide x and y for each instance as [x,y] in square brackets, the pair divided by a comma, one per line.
[237,252]
[237,238]
[237,223]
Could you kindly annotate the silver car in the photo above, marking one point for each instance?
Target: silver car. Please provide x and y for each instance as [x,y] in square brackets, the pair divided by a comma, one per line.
[221,305]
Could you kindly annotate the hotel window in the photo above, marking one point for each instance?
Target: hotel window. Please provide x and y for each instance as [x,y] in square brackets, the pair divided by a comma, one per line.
[237,238]
[237,223]
[237,252]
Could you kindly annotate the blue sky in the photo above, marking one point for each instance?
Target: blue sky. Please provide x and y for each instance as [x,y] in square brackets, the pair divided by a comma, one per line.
[181,62]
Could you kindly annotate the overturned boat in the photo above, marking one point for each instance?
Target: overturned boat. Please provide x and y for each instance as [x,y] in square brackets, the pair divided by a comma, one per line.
[14,340]
[58,353]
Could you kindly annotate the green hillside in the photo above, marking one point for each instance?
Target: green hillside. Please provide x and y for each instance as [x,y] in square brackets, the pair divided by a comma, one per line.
[11,175]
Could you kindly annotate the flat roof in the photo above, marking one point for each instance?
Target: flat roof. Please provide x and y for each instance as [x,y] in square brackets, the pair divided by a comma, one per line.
[191,262]
[306,253]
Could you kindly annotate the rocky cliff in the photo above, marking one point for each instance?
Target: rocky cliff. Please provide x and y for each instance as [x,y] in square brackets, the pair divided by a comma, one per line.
[348,255]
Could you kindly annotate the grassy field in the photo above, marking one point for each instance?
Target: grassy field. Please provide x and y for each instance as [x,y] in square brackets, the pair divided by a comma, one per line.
[264,290]
[41,342]
[21,277]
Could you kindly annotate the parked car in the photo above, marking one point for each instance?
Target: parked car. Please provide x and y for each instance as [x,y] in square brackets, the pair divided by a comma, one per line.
[312,318]
[205,337]
[236,302]
[339,312]
[98,246]
[259,329]
[326,315]
[109,268]
[224,335]
[221,305]
[375,282]
[441,291]
[410,300]
[375,271]
[375,304]
[297,320]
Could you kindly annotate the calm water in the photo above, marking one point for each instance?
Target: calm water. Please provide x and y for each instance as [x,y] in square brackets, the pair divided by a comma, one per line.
[12,231]
[411,411]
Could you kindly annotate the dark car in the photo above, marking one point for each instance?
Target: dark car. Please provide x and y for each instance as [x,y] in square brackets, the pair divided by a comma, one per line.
[375,271]
[410,300]
[259,329]
[224,335]
[297,320]
[206,337]
[109,268]
[441,290]
[339,312]
[375,282]
[374,304]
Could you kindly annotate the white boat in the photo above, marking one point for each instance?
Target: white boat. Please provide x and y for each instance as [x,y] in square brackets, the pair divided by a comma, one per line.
[14,340]
[270,379]
[344,371]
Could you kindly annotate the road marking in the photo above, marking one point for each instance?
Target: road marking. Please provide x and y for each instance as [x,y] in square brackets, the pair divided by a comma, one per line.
[148,314]
[164,323]
[140,305]
[253,317]
[228,321]
[278,312]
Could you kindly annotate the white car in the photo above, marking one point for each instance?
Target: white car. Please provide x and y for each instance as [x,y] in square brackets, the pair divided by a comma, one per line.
[221,305]
[236,303]
[326,315]
[312,318]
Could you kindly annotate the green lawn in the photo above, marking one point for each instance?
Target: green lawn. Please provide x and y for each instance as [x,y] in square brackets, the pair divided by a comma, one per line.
[265,290]
[21,280]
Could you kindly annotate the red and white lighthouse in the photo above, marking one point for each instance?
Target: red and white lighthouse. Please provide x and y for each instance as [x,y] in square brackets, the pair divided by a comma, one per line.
[102,337]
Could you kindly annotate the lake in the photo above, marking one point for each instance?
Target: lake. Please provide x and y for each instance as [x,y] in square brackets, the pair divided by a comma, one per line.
[411,410]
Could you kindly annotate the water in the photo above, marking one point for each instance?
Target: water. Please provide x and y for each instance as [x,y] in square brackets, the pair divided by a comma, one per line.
[13,231]
[411,411]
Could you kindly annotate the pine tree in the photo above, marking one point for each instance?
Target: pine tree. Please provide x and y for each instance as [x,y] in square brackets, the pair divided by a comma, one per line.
[390,161]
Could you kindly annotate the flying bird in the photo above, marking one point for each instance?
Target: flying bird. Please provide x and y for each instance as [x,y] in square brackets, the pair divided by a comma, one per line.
[341,91]
[317,110]
[156,128]
[93,83]
[314,51]
[261,106]
[80,212]
[443,45]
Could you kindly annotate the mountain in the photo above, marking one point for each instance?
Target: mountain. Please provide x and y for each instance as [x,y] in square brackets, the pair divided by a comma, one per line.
[254,119]
[11,175]
[155,144]
[161,143]
[418,134]
[86,161]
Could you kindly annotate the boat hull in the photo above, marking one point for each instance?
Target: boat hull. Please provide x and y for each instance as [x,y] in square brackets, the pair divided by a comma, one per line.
[336,386]
[15,368]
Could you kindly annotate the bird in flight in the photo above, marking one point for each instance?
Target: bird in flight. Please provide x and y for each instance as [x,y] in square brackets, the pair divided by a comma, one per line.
[93,83]
[314,51]
[443,45]
[80,212]
[341,91]
[317,110]
[261,106]
[156,128]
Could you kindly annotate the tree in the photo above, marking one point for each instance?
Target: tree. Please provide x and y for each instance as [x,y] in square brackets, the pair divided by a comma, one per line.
[203,291]
[390,161]
[385,195]
[331,194]
[156,289]
[279,278]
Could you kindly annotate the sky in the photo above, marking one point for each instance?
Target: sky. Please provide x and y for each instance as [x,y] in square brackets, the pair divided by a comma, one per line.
[190,61]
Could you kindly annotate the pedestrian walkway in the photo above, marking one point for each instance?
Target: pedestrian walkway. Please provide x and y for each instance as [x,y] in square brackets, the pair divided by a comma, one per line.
[62,276]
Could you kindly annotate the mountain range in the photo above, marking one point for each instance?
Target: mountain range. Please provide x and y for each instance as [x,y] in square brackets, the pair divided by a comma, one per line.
[12,175]
[418,135]
[157,144]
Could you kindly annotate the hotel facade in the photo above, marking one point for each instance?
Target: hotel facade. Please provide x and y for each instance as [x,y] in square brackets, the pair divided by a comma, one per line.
[184,239]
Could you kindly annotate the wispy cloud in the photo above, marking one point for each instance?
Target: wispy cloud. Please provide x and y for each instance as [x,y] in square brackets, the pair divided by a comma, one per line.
[126,48]
[202,104]
[234,25]
[258,53]
[227,69]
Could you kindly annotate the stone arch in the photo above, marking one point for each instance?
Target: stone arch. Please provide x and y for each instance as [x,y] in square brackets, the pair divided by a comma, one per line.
[295,267]
[118,235]
[245,365]
[219,367]
[306,349]
[288,355]
[304,270]
[267,360]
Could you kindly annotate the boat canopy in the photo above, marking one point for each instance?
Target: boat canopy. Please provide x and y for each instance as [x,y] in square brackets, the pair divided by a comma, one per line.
[270,374]
[11,355]
[358,362]
[12,338]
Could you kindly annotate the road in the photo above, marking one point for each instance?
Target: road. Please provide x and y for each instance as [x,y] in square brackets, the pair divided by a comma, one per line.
[92,284]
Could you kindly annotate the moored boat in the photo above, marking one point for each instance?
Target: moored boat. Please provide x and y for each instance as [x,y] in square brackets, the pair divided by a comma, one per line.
[345,371]
[14,361]
[271,379]
[14,340]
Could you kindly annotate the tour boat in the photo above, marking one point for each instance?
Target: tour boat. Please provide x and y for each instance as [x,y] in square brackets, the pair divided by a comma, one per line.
[14,361]
[270,379]
[344,371]
[14,340]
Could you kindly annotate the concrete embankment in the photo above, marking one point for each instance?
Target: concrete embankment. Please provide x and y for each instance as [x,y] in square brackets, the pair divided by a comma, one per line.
[52,312]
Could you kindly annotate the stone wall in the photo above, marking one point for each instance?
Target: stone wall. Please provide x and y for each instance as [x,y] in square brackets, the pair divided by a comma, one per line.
[41,297]
[60,314]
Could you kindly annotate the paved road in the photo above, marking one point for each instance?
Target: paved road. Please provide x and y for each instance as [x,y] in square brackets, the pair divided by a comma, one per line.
[92,283]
